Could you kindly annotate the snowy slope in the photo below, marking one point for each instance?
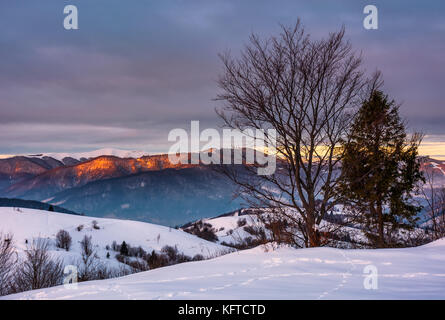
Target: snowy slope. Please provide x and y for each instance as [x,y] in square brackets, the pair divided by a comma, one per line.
[230,230]
[285,273]
[29,224]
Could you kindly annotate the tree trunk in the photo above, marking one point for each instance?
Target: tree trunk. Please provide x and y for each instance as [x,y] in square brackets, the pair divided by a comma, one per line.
[313,238]
[381,234]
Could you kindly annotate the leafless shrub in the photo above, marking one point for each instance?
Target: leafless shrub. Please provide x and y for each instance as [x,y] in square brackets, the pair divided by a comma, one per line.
[39,269]
[157,260]
[241,222]
[171,252]
[63,240]
[202,230]
[198,257]
[8,261]
[87,269]
[138,265]
[121,258]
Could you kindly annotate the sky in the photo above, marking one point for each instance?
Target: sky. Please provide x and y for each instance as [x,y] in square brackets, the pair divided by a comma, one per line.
[134,70]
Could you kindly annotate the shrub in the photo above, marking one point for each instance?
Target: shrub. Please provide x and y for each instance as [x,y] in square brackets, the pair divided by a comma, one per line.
[181,258]
[138,265]
[95,225]
[157,260]
[38,270]
[202,230]
[121,258]
[171,252]
[198,257]
[63,240]
[241,222]
[255,231]
[7,263]
[88,267]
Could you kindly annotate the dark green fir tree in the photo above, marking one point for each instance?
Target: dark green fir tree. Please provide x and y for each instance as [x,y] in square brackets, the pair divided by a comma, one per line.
[380,171]
[124,249]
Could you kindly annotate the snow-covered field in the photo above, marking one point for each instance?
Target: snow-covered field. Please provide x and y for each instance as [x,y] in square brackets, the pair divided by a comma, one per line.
[259,273]
[284,273]
[28,225]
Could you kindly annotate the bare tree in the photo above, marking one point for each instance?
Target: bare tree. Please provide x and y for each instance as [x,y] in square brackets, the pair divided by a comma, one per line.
[87,269]
[8,260]
[39,269]
[306,90]
[63,240]
[90,267]
[435,199]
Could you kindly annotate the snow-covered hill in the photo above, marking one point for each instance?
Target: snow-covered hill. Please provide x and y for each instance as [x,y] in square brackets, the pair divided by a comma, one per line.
[229,228]
[28,224]
[284,273]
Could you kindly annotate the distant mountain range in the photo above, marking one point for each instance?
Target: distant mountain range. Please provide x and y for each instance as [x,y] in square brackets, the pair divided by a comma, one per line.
[128,184]
[435,168]
[146,188]
[83,156]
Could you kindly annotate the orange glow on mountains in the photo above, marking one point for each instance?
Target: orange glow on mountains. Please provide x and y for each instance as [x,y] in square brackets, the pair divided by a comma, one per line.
[109,165]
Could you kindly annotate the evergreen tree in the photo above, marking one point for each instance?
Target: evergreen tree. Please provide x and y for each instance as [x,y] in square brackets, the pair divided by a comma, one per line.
[380,170]
[124,249]
[51,208]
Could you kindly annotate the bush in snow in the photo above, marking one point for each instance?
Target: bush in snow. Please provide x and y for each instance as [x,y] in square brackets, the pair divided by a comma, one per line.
[38,270]
[95,225]
[198,257]
[88,266]
[7,263]
[174,256]
[121,258]
[157,260]
[63,240]
[138,265]
[171,252]
[241,222]
[202,230]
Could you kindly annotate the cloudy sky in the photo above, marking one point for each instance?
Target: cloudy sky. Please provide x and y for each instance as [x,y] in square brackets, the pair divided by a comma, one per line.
[137,69]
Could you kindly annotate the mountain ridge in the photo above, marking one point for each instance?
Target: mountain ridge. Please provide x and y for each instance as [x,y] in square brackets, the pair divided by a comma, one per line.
[111,186]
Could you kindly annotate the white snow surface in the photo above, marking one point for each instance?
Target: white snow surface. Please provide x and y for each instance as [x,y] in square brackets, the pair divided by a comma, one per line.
[229,231]
[30,224]
[278,273]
